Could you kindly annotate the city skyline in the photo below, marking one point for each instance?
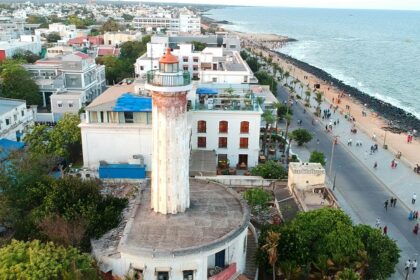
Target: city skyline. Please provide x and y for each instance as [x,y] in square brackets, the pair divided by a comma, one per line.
[344,4]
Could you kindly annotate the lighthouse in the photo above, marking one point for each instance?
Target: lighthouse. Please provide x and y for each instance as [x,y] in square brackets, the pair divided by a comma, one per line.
[169,87]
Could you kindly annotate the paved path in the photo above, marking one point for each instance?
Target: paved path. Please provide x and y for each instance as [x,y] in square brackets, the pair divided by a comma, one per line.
[361,191]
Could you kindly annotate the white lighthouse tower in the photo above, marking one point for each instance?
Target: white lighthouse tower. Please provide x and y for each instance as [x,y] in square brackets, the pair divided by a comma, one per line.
[170,160]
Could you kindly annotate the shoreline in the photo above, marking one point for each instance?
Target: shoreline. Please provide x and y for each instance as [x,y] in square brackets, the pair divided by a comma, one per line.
[401,120]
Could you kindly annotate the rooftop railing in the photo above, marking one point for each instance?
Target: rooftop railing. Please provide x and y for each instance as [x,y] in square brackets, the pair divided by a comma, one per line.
[176,79]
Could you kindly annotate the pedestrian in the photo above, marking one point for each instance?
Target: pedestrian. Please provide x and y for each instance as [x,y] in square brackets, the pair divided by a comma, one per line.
[414,265]
[386,205]
[413,199]
[395,202]
[375,165]
[378,222]
[393,164]
[416,229]
[391,201]
[385,230]
[416,215]
[410,216]
[407,265]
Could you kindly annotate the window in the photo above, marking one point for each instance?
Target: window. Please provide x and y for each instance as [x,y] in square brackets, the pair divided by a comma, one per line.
[195,59]
[70,104]
[244,127]
[163,275]
[59,104]
[195,68]
[128,116]
[22,113]
[201,142]
[185,59]
[185,67]
[243,143]
[188,275]
[141,68]
[201,126]
[223,127]
[7,121]
[214,80]
[222,142]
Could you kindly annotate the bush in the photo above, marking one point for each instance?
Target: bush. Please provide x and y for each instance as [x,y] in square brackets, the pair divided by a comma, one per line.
[257,198]
[269,170]
[36,260]
[301,136]
[53,37]
[318,157]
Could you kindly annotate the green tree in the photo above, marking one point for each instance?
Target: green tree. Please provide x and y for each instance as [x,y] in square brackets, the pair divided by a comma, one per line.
[257,199]
[127,17]
[116,69]
[64,140]
[110,25]
[301,136]
[53,37]
[27,56]
[348,274]
[131,50]
[253,64]
[19,88]
[266,79]
[36,260]
[244,54]
[307,98]
[382,252]
[270,246]
[269,119]
[318,157]
[318,99]
[199,46]
[33,19]
[269,170]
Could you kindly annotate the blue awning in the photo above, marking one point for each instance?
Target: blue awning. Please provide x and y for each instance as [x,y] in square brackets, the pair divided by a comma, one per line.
[206,91]
[7,146]
[129,102]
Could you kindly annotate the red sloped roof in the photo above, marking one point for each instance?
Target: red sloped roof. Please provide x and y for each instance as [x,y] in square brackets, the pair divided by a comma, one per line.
[77,41]
[82,55]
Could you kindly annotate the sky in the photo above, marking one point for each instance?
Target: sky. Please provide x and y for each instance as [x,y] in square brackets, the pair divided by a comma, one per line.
[352,4]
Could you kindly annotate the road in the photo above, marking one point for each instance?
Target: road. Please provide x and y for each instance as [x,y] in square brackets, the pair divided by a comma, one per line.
[363,193]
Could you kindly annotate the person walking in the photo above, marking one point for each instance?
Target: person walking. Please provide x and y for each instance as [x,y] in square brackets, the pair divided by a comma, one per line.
[375,165]
[385,230]
[413,199]
[395,202]
[416,215]
[411,215]
[391,201]
[407,266]
[414,265]
[378,222]
[386,205]
[416,229]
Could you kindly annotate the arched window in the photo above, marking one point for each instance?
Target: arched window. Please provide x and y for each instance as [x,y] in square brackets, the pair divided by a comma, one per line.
[244,127]
[223,127]
[201,127]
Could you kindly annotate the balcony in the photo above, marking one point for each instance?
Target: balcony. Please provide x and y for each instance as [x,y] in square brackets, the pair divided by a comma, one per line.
[226,104]
[177,79]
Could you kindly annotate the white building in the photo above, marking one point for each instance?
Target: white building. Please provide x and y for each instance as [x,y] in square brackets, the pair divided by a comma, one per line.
[196,237]
[186,23]
[15,117]
[67,83]
[66,32]
[26,43]
[117,38]
[212,65]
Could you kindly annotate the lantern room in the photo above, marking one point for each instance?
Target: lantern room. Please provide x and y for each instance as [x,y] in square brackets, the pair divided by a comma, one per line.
[168,63]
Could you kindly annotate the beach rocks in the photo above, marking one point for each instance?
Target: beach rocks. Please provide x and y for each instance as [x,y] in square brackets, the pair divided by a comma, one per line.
[397,116]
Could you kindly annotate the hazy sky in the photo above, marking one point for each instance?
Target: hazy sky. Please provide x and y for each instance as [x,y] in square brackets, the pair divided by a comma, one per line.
[360,4]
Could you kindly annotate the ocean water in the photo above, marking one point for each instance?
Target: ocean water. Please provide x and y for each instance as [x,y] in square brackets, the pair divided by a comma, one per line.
[375,51]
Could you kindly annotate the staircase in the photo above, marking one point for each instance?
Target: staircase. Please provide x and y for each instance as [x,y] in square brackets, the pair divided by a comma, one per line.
[251,259]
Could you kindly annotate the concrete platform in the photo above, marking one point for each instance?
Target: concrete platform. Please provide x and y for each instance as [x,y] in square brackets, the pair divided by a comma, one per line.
[216,215]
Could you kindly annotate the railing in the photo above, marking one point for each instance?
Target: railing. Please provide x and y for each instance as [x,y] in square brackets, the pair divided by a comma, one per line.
[177,79]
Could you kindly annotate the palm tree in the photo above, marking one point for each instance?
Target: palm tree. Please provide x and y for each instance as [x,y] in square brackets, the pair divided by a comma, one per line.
[270,246]
[288,118]
[318,99]
[281,72]
[308,98]
[269,118]
[286,76]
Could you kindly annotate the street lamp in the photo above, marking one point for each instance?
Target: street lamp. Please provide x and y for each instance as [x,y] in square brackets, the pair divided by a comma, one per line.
[335,141]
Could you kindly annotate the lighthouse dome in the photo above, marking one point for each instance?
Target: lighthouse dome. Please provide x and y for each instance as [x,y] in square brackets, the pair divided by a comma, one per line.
[168,63]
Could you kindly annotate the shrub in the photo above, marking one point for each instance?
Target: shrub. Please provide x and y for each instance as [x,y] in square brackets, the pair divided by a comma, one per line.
[269,170]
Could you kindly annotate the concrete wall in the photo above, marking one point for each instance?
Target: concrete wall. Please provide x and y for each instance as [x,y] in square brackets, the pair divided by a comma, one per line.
[236,180]
[115,143]
[199,262]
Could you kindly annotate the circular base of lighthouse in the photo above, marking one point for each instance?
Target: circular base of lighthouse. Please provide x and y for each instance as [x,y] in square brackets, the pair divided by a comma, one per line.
[210,234]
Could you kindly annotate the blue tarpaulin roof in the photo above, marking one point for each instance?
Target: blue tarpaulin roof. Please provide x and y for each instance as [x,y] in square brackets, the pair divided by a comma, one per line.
[206,91]
[7,146]
[129,102]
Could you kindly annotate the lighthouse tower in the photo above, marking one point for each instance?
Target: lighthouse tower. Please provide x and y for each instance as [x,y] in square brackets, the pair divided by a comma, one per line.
[169,86]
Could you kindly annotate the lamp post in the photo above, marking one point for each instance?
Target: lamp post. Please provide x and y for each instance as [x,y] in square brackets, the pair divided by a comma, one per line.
[332,153]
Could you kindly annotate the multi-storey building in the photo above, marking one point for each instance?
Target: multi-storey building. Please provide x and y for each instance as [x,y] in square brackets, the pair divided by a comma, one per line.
[212,65]
[15,116]
[184,23]
[26,43]
[117,38]
[68,83]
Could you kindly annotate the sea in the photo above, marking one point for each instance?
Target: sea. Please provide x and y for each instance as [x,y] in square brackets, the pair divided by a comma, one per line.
[376,51]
